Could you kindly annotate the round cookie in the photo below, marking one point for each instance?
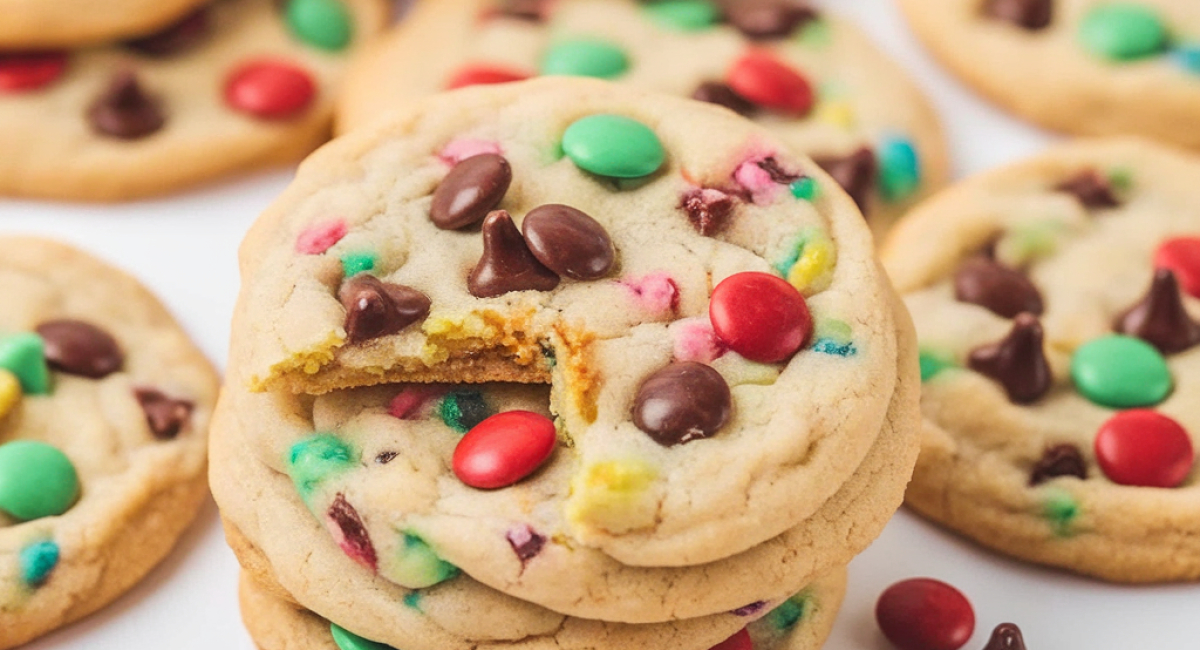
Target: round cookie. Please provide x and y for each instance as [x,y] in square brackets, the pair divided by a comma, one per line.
[813,79]
[1088,67]
[104,408]
[234,86]
[1060,367]
[38,24]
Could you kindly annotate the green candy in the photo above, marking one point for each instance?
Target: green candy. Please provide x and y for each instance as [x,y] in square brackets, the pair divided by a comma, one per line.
[419,566]
[37,561]
[413,600]
[325,24]
[805,188]
[1121,372]
[355,263]
[933,363]
[899,169]
[789,613]
[614,146]
[346,640]
[461,410]
[24,356]
[36,480]
[684,15]
[585,58]
[1060,510]
[314,458]
[1123,32]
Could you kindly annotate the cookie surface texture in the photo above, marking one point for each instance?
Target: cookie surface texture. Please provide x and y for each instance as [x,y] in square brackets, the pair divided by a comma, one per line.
[33,24]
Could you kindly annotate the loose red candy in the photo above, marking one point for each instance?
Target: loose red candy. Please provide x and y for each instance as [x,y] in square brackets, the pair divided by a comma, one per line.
[21,71]
[1181,255]
[925,614]
[270,90]
[504,449]
[739,641]
[764,80]
[482,75]
[1144,448]
[760,316]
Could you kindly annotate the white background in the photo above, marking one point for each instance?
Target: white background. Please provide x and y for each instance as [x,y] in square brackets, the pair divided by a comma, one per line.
[184,248]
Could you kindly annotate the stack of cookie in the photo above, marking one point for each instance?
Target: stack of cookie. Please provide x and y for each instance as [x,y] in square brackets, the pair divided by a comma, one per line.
[559,364]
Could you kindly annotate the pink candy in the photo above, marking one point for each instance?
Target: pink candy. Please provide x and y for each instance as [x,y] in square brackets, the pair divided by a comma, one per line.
[409,403]
[655,293]
[757,181]
[695,340]
[318,238]
[459,150]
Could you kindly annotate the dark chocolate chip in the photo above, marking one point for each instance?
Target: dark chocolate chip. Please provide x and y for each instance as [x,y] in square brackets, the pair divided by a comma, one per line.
[355,542]
[568,242]
[1030,14]
[768,19]
[166,416]
[80,348]
[1006,636]
[1017,361]
[124,110]
[1059,460]
[385,457]
[777,173]
[506,264]
[1160,318]
[709,210]
[1092,189]
[1004,291]
[525,542]
[715,92]
[176,38]
[682,402]
[855,173]
[375,308]
[473,188]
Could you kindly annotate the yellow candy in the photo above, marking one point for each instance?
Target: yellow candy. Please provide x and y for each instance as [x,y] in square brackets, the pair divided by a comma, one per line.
[611,495]
[10,392]
[837,113]
[813,271]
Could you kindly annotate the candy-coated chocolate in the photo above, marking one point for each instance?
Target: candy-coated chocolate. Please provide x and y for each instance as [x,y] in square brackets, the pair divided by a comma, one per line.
[312,459]
[165,415]
[507,263]
[1029,14]
[585,58]
[269,90]
[484,74]
[181,36]
[80,348]
[504,449]
[810,267]
[1058,460]
[38,561]
[10,392]
[347,640]
[1144,448]
[614,146]
[325,24]
[899,169]
[358,262]
[1188,57]
[708,210]
[349,532]
[1160,318]
[1123,31]
[569,242]
[768,19]
[1121,372]
[124,110]
[1006,636]
[925,614]
[23,355]
[716,92]
[760,316]
[682,402]
[933,363]
[768,82]
[1004,291]
[685,15]
[1061,510]
[472,189]
[26,71]
[375,308]
[320,237]
[1091,189]
[805,188]
[1181,255]
[739,641]
[419,566]
[462,410]
[1017,362]
[36,480]
[525,542]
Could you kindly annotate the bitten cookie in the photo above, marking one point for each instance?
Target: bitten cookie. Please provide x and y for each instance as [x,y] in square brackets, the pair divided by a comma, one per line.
[104,409]
[235,85]
[1089,67]
[814,80]
[1056,304]
[42,24]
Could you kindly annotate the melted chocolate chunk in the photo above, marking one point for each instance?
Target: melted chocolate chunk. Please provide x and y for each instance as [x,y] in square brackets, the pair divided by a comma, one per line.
[855,173]
[682,402]
[1017,361]
[507,264]
[166,416]
[375,308]
[177,38]
[473,188]
[386,457]
[1006,636]
[715,92]
[1059,460]
[80,348]
[525,542]
[777,173]
[1092,189]
[1160,318]
[124,110]
[1030,14]
[568,242]
[768,19]
[709,210]
[355,541]
[1003,291]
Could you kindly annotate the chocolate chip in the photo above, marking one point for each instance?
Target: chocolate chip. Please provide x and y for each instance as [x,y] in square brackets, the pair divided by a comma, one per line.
[1160,318]
[474,187]
[1017,361]
[166,416]
[1059,460]
[124,111]
[80,348]
[531,10]
[386,457]
[355,541]
[375,308]
[777,173]
[568,242]
[176,38]
[682,402]
[709,210]
[506,264]
[1092,189]
[768,19]
[715,92]
[525,542]
[855,173]
[1006,636]
[1004,291]
[1030,14]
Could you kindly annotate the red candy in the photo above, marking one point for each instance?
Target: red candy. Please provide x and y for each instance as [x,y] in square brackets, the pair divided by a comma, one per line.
[271,90]
[504,449]
[1145,448]
[21,71]
[319,238]
[1181,255]
[925,614]
[762,79]
[760,316]
[739,641]
[481,75]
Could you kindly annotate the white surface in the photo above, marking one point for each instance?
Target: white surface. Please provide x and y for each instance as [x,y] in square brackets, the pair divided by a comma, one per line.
[184,248]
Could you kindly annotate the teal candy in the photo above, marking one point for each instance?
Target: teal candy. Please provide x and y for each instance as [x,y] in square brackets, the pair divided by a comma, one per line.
[788,613]
[347,640]
[37,561]
[1123,31]
[325,24]
[613,145]
[1188,57]
[461,410]
[313,459]
[585,58]
[899,169]
[413,600]
[1121,372]
[355,263]
[36,480]
[805,188]
[684,15]
[24,355]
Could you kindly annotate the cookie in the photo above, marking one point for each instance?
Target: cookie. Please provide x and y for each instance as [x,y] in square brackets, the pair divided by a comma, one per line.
[1087,67]
[813,79]
[36,24]
[1056,303]
[104,408]
[234,86]
[681,366]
